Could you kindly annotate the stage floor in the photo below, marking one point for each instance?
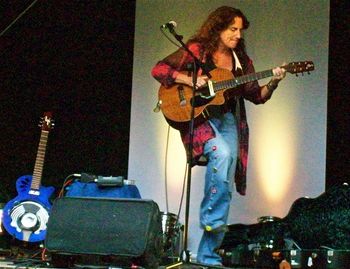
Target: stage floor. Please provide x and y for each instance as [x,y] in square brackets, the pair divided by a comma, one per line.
[35,264]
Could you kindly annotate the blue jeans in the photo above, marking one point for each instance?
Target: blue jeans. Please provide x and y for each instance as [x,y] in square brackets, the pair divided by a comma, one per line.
[221,152]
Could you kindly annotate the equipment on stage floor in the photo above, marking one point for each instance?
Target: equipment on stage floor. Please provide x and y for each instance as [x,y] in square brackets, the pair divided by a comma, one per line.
[81,188]
[106,227]
[172,236]
[315,231]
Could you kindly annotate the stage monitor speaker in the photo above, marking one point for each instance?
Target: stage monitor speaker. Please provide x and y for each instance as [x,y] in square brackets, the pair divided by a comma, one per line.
[105,226]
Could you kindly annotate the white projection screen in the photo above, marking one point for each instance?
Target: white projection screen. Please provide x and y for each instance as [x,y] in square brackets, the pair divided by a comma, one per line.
[287,154]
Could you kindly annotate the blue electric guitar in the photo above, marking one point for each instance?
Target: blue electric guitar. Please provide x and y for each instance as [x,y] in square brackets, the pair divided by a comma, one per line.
[25,217]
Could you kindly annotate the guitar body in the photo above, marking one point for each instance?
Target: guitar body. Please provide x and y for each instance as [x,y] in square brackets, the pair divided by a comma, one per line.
[25,217]
[176,100]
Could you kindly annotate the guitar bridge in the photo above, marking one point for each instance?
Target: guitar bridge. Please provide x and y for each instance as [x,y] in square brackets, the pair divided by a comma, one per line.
[211,89]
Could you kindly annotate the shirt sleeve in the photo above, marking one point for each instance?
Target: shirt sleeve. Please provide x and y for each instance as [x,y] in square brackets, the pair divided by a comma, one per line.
[166,70]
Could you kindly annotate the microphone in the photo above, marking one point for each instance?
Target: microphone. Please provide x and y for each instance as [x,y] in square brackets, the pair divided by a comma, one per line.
[170,25]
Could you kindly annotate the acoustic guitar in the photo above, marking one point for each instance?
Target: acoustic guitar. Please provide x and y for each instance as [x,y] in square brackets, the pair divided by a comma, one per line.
[25,217]
[177,101]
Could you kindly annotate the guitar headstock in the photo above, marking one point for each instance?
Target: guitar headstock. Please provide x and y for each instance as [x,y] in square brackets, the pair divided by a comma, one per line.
[299,67]
[46,122]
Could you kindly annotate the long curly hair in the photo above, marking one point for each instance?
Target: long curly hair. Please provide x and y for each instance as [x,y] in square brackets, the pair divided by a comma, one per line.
[220,19]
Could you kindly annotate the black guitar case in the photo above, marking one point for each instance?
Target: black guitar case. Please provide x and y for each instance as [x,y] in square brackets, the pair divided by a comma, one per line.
[313,225]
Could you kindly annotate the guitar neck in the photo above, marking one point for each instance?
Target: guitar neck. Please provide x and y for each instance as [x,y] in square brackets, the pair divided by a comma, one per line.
[232,83]
[39,162]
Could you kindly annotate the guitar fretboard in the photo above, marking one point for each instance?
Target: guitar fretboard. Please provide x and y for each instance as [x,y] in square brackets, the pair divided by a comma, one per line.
[232,83]
[39,162]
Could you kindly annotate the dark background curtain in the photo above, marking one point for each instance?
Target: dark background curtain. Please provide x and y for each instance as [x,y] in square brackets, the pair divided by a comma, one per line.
[73,58]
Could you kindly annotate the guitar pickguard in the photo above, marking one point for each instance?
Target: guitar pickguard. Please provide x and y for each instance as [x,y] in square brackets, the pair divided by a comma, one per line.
[200,100]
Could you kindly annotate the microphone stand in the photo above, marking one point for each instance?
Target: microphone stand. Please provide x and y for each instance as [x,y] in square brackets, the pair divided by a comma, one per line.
[185,259]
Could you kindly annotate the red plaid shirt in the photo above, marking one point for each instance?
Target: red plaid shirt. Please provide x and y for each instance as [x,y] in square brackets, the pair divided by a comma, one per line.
[166,70]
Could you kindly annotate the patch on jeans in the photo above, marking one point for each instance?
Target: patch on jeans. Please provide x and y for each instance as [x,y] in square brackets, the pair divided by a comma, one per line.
[213,190]
[208,228]
[220,229]
[213,148]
